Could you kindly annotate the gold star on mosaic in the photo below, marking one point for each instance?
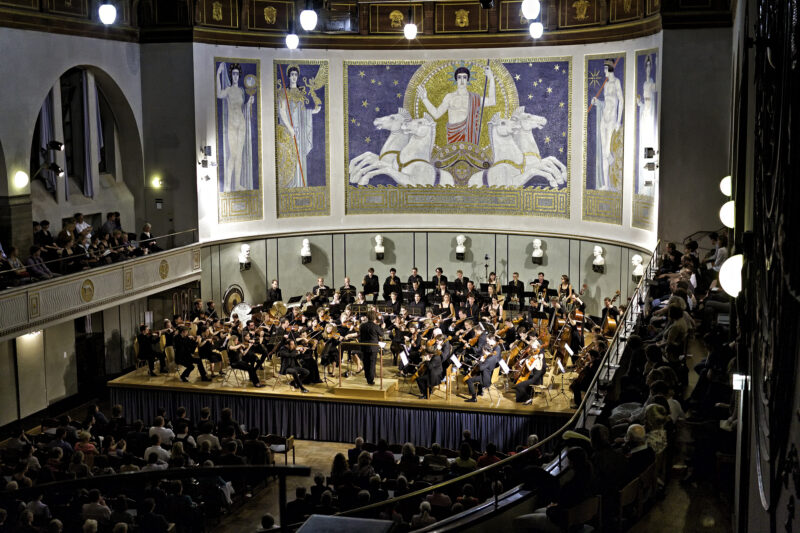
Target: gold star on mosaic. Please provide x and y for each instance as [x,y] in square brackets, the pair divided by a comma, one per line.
[377,109]
[353,120]
[561,105]
[395,82]
[367,140]
[372,81]
[387,67]
[561,150]
[595,78]
[536,84]
[399,95]
[361,74]
[556,67]
[540,80]
[564,71]
[364,103]
[549,90]
[547,140]
[563,133]
[516,77]
[530,96]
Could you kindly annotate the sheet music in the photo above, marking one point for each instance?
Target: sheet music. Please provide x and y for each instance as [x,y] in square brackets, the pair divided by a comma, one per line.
[456,362]
[569,350]
[504,367]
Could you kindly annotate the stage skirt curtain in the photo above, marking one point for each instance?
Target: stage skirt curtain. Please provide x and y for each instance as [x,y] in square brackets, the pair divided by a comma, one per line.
[343,422]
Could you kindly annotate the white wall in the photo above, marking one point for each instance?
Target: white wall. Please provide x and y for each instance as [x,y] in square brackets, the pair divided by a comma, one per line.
[210,230]
[8,387]
[31,373]
[61,368]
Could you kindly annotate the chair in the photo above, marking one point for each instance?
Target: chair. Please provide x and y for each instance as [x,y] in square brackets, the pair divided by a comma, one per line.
[495,377]
[278,444]
[629,495]
[140,363]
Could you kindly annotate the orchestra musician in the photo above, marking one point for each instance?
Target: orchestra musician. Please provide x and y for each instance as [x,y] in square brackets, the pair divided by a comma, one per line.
[320,292]
[564,288]
[290,365]
[394,303]
[417,307]
[493,282]
[184,355]
[370,285]
[516,291]
[370,332]
[273,295]
[471,306]
[535,366]
[581,383]
[208,349]
[460,287]
[347,292]
[490,359]
[434,372]
[241,359]
[609,310]
[414,277]
[540,286]
[146,338]
[439,278]
[211,310]
[392,284]
[446,309]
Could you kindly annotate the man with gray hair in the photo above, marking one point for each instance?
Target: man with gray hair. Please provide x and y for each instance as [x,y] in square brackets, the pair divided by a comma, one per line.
[640,456]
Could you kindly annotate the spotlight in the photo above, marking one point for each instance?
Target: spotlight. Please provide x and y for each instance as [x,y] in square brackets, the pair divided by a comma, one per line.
[308,17]
[487,4]
[727,214]
[205,150]
[651,166]
[531,9]
[726,185]
[107,13]
[21,179]
[52,167]
[157,182]
[649,153]
[55,145]
[536,29]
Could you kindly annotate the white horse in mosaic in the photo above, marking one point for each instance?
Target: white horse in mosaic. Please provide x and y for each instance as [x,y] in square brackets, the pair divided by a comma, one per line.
[413,165]
[549,168]
[391,147]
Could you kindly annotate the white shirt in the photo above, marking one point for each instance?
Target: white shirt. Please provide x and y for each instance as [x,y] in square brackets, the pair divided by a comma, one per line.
[166,434]
[80,226]
[159,451]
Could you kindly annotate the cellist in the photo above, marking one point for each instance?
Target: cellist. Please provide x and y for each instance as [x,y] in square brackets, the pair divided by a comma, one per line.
[535,367]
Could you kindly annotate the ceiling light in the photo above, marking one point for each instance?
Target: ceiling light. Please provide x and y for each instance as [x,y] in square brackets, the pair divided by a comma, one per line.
[292,40]
[730,275]
[726,185]
[727,214]
[107,13]
[410,31]
[536,29]
[55,145]
[156,182]
[531,9]
[308,17]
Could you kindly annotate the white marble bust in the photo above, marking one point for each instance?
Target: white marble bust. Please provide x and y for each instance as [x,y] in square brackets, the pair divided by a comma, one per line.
[244,253]
[537,248]
[460,240]
[378,244]
[598,256]
[305,249]
[638,267]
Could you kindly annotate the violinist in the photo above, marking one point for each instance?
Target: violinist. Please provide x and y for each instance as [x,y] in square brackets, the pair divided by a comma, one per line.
[211,310]
[459,325]
[329,355]
[508,333]
[490,358]
[433,365]
[290,365]
[370,285]
[146,338]
[400,335]
[535,367]
[307,359]
[241,359]
[392,284]
[208,350]
[259,349]
[413,344]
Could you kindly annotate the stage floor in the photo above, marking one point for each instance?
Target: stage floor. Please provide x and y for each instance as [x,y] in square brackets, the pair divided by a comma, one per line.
[397,391]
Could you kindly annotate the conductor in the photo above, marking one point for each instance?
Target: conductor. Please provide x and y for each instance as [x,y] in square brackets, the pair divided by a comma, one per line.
[371,333]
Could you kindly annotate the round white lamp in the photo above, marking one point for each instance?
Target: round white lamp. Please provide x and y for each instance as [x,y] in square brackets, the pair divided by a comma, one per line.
[21,179]
[727,214]
[308,19]
[726,185]
[107,13]
[410,31]
[531,9]
[536,29]
[292,40]
[730,275]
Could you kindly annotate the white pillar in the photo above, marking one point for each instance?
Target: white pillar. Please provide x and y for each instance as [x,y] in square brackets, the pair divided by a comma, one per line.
[94,150]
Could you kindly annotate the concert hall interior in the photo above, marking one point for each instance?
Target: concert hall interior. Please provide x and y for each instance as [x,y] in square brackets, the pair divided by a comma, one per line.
[463,264]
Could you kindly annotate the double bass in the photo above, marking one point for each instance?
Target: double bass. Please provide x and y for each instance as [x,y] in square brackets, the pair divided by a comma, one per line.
[609,326]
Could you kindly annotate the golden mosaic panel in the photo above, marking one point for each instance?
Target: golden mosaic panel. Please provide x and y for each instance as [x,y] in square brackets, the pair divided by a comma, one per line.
[577,13]
[622,10]
[271,15]
[461,18]
[643,212]
[219,13]
[390,18]
[239,206]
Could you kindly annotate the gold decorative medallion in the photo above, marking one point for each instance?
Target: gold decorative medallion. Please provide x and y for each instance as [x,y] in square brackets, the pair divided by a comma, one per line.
[626,4]
[196,259]
[33,305]
[87,291]
[396,18]
[163,269]
[127,279]
[270,15]
[581,7]
[216,13]
[462,18]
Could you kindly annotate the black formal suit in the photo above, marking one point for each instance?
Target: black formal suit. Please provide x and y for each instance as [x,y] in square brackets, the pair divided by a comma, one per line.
[146,352]
[433,376]
[273,295]
[347,294]
[613,311]
[523,389]
[370,333]
[184,356]
[460,288]
[241,359]
[486,368]
[412,278]
[516,288]
[320,300]
[390,285]
[396,305]
[291,365]
[438,280]
[371,286]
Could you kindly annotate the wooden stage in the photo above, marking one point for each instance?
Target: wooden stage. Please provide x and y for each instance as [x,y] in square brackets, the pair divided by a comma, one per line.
[326,401]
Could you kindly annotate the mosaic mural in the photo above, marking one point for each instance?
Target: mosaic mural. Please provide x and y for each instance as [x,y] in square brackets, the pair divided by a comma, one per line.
[646,137]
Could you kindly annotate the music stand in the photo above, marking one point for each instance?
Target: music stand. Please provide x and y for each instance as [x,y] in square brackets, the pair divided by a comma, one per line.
[294,301]
[484,288]
[561,390]
[349,293]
